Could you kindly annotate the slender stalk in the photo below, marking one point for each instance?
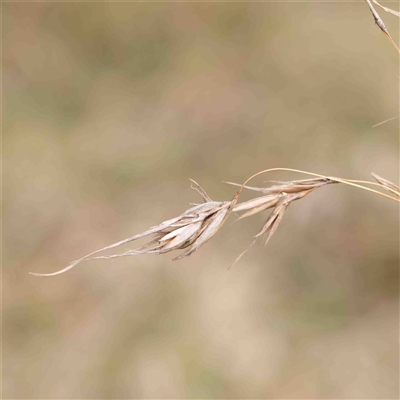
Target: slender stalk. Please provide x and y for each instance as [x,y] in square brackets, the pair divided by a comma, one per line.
[345,181]
[375,184]
[365,188]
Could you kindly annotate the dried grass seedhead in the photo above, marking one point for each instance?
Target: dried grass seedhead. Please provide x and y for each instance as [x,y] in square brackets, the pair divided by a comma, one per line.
[189,231]
[278,197]
[276,194]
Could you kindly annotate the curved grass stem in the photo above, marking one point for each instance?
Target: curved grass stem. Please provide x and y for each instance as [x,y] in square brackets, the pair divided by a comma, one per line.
[340,180]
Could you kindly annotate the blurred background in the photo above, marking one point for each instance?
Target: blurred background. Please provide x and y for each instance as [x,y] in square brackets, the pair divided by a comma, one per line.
[108,110]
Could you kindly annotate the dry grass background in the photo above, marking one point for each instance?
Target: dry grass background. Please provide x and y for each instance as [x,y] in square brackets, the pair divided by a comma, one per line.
[108,109]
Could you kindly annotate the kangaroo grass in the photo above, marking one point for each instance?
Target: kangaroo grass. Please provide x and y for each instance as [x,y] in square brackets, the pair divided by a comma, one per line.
[194,227]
